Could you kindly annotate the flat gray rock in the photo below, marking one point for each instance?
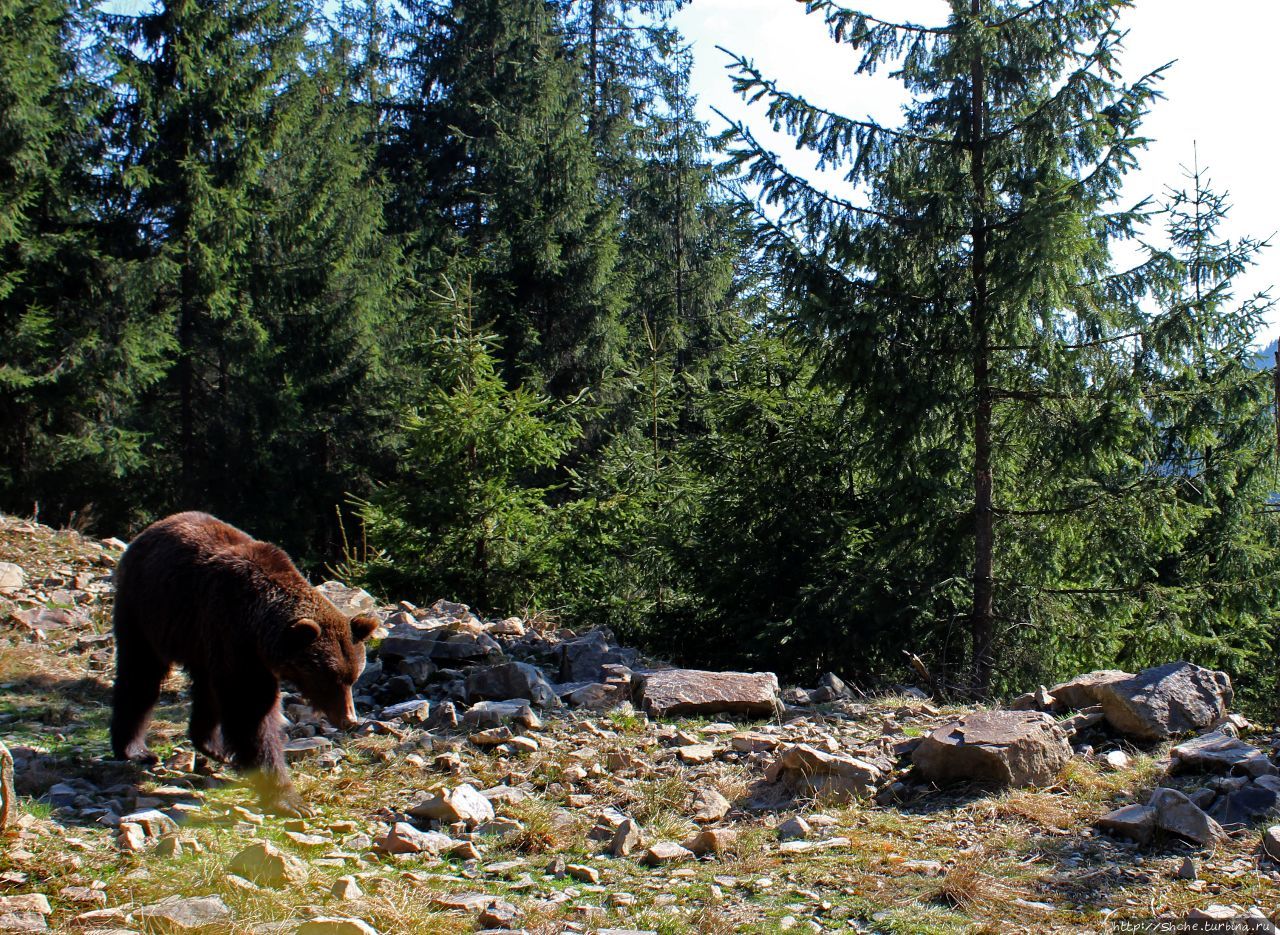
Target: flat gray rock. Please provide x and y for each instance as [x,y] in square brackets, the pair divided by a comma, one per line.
[1005,748]
[1217,752]
[183,914]
[1082,691]
[1135,822]
[685,692]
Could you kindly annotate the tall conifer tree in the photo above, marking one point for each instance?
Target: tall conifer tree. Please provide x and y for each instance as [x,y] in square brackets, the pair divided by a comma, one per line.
[492,165]
[961,290]
[77,347]
[197,80]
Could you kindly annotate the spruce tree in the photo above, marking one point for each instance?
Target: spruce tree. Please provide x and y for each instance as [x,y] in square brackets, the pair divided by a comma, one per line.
[79,345]
[313,414]
[492,167]
[466,515]
[961,291]
[196,81]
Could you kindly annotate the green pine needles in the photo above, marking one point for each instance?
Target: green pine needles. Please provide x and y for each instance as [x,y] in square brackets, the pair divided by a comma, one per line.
[1018,392]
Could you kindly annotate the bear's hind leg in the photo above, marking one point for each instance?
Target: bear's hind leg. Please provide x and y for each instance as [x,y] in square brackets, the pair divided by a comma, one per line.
[204,730]
[139,675]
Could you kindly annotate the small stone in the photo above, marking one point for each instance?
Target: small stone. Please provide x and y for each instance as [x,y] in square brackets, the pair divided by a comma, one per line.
[1115,759]
[712,841]
[499,914]
[709,805]
[583,873]
[23,922]
[523,744]
[8,798]
[404,838]
[26,902]
[464,902]
[154,823]
[665,852]
[754,742]
[794,829]
[266,865]
[697,754]
[415,709]
[12,576]
[345,888]
[130,838]
[1271,842]
[491,737]
[1188,870]
[1135,822]
[626,838]
[462,803]
[306,747]
[308,840]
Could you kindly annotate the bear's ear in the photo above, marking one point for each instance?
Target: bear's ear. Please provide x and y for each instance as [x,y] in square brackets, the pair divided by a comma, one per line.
[362,627]
[301,634]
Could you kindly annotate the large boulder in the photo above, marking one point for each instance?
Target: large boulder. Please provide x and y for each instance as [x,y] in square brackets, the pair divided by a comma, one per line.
[584,659]
[1006,748]
[806,770]
[511,680]
[350,601]
[1218,752]
[409,637]
[683,692]
[1082,691]
[1164,701]
[1178,815]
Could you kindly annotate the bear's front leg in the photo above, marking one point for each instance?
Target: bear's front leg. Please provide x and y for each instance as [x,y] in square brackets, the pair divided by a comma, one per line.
[251,730]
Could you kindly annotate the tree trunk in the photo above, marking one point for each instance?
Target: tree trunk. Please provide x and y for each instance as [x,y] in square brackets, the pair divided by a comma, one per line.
[593,66]
[981,622]
[186,391]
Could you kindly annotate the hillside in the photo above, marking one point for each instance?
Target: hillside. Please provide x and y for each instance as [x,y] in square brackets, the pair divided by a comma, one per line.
[592,811]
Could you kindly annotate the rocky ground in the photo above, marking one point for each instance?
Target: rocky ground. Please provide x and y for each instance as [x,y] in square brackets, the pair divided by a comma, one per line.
[617,795]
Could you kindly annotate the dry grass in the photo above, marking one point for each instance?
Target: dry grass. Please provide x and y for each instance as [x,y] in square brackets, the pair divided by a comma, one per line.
[941,863]
[972,885]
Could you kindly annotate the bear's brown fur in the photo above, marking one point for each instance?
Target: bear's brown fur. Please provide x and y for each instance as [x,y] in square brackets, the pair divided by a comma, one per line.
[237,615]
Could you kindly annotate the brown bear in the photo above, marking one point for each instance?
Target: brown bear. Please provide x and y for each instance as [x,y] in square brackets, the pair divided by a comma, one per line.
[238,616]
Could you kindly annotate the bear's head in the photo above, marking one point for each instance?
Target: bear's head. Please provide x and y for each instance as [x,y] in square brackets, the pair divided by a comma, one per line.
[323,654]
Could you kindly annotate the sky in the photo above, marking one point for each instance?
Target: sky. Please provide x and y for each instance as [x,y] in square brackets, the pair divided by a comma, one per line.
[1220,101]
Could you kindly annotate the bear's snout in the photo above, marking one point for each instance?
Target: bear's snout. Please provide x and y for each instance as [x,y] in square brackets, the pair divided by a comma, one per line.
[343,714]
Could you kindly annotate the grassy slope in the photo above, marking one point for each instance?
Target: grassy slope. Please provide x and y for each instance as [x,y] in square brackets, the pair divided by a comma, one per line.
[1020,861]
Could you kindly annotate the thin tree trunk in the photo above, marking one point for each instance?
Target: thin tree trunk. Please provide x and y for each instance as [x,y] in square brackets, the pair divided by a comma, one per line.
[981,623]
[593,66]
[186,391]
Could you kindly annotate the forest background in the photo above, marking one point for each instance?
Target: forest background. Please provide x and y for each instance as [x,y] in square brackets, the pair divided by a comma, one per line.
[458,299]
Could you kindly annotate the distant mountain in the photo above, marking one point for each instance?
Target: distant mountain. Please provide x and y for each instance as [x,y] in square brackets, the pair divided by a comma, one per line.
[1266,358]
